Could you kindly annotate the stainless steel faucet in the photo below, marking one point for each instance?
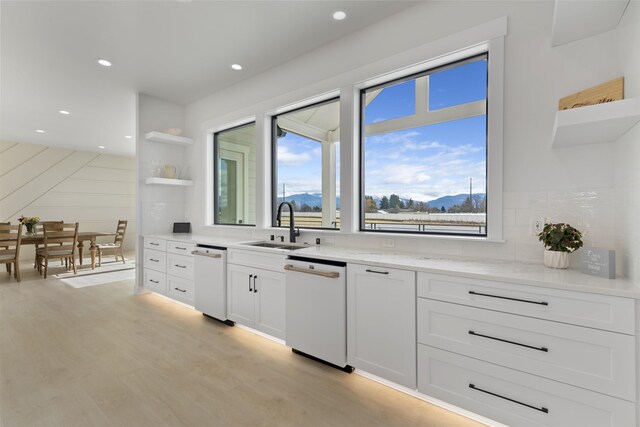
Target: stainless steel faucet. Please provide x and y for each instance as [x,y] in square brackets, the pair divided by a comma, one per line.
[293,231]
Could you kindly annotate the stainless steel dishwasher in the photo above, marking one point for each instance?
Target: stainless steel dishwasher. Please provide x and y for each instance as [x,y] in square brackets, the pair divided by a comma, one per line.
[211,281]
[316,309]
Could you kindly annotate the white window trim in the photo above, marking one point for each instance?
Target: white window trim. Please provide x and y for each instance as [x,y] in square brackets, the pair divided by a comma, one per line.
[350,218]
[208,160]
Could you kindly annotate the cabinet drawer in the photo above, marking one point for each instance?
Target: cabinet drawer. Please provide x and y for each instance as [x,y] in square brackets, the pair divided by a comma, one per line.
[157,244]
[597,360]
[155,260]
[257,259]
[155,281]
[583,309]
[515,398]
[180,266]
[180,289]
[180,248]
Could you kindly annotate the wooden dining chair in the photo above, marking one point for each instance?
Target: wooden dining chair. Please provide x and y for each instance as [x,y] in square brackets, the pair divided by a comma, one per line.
[6,247]
[115,247]
[59,243]
[10,239]
[40,231]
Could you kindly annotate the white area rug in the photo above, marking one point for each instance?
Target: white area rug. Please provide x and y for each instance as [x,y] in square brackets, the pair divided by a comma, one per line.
[108,273]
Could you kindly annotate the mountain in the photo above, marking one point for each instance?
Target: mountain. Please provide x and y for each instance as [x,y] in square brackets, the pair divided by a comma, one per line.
[315,200]
[311,199]
[448,201]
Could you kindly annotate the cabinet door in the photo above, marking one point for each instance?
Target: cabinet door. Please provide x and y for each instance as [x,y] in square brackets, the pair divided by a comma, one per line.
[240,300]
[270,302]
[381,322]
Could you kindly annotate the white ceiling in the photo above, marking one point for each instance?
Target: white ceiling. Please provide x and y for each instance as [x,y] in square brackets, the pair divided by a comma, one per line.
[175,50]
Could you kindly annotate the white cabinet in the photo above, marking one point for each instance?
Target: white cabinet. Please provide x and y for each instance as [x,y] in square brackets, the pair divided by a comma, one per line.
[524,355]
[240,299]
[256,296]
[589,358]
[513,397]
[169,269]
[381,322]
[155,281]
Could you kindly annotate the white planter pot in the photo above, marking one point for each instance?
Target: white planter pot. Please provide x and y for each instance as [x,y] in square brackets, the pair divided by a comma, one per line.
[555,259]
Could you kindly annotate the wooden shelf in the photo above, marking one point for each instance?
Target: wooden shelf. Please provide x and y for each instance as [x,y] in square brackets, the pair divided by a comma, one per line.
[167,181]
[165,138]
[595,123]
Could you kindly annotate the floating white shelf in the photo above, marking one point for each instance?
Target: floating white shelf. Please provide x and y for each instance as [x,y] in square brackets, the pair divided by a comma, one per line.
[575,20]
[595,123]
[165,138]
[167,181]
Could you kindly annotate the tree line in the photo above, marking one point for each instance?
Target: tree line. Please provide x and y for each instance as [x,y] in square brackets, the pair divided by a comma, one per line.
[395,204]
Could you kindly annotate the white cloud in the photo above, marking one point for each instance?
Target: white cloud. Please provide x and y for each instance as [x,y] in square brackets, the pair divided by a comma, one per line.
[289,158]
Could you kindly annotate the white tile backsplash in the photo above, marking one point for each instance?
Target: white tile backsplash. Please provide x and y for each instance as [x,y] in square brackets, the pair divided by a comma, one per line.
[589,210]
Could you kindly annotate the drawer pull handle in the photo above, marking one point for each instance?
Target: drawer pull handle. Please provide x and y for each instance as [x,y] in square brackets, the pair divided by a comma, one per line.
[255,286]
[153,281]
[377,272]
[180,290]
[541,409]
[179,266]
[509,298]
[154,244]
[182,249]
[154,260]
[545,349]
[250,288]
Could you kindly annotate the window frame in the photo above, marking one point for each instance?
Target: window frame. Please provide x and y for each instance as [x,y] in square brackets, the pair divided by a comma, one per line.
[216,169]
[361,140]
[274,161]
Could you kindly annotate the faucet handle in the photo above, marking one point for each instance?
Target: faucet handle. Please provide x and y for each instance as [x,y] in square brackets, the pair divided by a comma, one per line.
[297,231]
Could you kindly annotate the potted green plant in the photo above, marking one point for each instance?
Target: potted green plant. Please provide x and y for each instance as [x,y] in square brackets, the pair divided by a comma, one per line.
[559,241]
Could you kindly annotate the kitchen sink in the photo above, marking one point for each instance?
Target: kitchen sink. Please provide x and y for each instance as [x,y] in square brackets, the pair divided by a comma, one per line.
[267,245]
[273,245]
[292,247]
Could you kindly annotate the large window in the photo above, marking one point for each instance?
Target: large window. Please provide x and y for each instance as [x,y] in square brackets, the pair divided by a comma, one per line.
[424,152]
[306,165]
[235,176]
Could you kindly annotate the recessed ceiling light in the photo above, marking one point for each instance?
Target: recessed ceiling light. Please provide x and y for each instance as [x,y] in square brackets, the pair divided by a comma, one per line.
[65,112]
[128,136]
[236,67]
[101,147]
[104,62]
[39,131]
[339,15]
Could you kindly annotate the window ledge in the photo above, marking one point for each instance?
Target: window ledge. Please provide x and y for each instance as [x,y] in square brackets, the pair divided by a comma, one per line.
[483,239]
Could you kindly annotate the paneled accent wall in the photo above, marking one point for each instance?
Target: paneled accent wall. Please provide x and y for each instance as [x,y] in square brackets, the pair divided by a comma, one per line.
[93,189]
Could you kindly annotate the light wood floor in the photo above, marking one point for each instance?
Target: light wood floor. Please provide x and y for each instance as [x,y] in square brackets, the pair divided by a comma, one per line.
[99,356]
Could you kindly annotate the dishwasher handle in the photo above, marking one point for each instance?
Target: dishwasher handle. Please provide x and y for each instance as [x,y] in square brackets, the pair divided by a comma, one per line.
[329,274]
[206,254]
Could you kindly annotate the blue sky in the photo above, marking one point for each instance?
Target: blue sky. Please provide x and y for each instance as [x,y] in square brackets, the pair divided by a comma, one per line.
[421,163]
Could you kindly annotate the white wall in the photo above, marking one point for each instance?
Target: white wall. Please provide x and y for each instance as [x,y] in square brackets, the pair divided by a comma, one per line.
[159,206]
[95,190]
[574,185]
[627,153]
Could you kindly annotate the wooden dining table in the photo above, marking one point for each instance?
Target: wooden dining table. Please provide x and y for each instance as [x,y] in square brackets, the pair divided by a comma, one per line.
[83,236]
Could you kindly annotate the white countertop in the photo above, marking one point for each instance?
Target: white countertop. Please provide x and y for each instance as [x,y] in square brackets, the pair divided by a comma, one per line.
[501,271]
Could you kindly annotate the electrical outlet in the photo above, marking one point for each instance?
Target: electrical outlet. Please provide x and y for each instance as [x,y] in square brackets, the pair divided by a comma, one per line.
[388,243]
[537,224]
